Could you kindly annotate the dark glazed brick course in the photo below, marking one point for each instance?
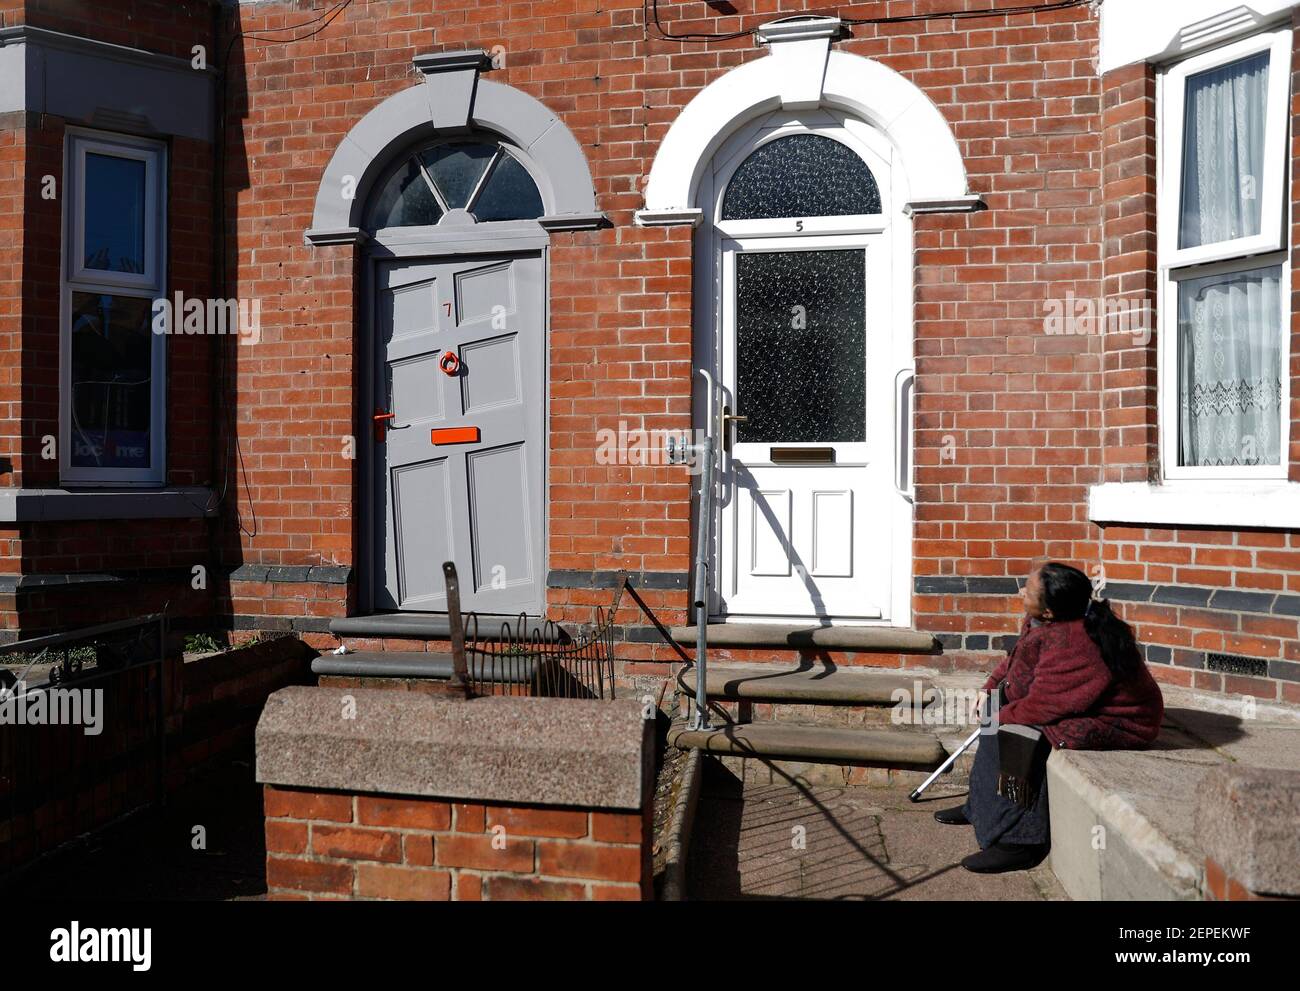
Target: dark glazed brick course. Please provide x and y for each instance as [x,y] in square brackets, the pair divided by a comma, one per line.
[1224,599]
[607,579]
[1179,595]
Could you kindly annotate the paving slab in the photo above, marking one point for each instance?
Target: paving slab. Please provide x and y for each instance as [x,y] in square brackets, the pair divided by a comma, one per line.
[857,843]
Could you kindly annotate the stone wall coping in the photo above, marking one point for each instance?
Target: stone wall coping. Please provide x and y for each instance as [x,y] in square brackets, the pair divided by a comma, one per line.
[1246,822]
[535,751]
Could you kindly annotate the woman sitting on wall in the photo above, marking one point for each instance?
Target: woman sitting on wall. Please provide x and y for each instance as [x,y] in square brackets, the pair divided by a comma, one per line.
[1075,679]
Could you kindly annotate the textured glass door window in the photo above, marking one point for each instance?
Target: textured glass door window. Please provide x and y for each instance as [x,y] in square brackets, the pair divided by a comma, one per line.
[111,381]
[456,170]
[405,201]
[115,217]
[801,175]
[508,194]
[801,346]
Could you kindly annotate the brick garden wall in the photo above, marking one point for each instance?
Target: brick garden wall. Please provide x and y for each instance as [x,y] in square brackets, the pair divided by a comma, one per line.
[330,845]
[166,549]
[57,783]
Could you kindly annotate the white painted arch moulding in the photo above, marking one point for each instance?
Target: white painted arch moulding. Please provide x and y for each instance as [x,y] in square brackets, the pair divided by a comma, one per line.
[454,98]
[801,73]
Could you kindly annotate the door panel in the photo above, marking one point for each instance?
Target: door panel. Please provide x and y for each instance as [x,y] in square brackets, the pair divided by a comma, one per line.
[479,504]
[806,531]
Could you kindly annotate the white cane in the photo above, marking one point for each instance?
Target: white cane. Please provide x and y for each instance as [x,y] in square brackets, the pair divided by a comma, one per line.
[916,795]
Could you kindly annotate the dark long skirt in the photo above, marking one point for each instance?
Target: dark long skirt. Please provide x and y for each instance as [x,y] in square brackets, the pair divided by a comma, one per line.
[996,819]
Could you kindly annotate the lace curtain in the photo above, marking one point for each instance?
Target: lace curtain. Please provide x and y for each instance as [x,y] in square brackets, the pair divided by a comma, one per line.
[1230,374]
[1229,324]
[1223,141]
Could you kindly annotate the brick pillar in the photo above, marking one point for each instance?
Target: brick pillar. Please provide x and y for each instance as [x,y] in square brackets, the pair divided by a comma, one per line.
[1130,449]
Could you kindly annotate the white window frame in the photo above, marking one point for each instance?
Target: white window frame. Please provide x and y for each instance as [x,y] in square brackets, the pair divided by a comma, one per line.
[151,285]
[1267,249]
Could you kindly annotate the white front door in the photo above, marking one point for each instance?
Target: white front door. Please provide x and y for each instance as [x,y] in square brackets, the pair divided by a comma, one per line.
[812,341]
[809,471]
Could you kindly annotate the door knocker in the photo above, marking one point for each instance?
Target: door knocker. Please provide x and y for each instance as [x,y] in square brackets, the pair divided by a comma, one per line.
[449,362]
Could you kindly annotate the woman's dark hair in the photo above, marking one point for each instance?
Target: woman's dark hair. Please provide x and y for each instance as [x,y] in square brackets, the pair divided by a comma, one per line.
[1068,593]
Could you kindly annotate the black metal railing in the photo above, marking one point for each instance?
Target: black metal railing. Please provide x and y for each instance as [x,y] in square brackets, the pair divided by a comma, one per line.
[540,659]
[82,732]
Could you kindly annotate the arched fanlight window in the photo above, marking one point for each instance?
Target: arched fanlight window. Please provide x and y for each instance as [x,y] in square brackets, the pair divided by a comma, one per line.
[801,175]
[482,178]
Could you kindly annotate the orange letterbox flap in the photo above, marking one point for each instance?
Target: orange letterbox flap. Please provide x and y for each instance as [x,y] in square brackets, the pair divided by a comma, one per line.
[455,435]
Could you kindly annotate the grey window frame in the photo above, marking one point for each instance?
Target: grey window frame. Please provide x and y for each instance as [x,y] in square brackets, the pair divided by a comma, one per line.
[75,277]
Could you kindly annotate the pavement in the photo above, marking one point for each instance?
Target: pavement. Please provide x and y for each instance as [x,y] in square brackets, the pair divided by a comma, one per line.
[792,840]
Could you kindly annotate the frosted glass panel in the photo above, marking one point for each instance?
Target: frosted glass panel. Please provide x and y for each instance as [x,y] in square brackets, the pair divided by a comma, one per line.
[801,175]
[801,346]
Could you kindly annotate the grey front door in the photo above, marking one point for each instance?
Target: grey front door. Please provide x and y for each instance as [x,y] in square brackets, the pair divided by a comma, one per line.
[460,474]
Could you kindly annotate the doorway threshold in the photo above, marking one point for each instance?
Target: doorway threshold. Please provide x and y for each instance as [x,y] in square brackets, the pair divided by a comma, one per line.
[436,626]
[883,639]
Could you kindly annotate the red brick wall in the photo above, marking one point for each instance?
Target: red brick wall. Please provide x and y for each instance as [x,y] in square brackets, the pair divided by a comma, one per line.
[331,845]
[1024,101]
[1013,424]
[171,27]
[32,147]
[1209,558]
[1129,440]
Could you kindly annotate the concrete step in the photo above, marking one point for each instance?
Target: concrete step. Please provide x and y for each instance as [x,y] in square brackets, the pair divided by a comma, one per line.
[812,685]
[415,664]
[815,744]
[877,639]
[436,626]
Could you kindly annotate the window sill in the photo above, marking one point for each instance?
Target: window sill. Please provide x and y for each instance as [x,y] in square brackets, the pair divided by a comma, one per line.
[34,505]
[1225,504]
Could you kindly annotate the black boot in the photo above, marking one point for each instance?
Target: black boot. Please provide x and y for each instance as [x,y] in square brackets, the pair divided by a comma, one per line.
[955,816]
[1003,857]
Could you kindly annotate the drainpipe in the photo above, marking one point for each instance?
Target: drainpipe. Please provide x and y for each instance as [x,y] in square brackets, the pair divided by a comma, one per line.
[216,377]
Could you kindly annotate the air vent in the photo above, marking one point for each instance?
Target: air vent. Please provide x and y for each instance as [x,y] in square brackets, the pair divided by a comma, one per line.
[1232,664]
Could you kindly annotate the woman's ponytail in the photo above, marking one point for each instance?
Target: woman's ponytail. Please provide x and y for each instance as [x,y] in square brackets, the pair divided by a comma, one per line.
[1068,593]
[1113,637]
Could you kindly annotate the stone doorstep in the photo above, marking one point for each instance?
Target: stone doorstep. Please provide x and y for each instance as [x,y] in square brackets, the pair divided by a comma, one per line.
[815,744]
[878,639]
[413,664]
[435,626]
[815,684]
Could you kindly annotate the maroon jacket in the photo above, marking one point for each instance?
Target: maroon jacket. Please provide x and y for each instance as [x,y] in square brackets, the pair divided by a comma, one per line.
[1056,680]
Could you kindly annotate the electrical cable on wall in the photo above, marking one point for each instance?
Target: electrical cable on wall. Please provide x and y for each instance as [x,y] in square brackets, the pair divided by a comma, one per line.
[324,19]
[1024,8]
